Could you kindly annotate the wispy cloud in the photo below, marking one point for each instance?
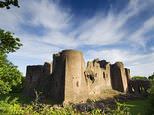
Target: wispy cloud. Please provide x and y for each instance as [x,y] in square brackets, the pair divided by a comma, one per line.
[110,28]
[139,36]
[103,29]
[48,14]
[140,64]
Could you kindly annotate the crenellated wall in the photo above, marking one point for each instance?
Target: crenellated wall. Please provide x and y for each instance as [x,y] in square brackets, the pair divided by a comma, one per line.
[68,79]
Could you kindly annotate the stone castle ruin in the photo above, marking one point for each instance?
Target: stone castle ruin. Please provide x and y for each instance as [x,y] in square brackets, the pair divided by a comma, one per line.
[69,79]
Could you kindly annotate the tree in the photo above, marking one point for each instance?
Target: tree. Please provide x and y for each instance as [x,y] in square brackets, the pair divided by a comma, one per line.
[151,77]
[7,3]
[139,77]
[8,43]
[10,76]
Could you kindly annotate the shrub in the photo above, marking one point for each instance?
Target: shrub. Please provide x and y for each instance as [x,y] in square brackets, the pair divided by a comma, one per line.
[139,77]
[10,76]
[151,100]
[10,107]
[121,109]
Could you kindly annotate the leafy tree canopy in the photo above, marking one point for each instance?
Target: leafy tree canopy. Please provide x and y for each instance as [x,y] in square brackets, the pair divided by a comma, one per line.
[151,77]
[6,3]
[10,76]
[139,77]
[8,43]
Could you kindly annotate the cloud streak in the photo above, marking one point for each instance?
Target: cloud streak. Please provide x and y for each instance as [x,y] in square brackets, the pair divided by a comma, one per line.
[140,64]
[102,31]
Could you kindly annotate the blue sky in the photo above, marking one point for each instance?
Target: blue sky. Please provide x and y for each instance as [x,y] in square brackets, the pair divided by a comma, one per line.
[114,30]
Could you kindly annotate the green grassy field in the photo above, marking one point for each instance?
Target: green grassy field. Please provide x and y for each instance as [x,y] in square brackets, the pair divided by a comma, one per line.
[142,106]
[23,106]
[138,107]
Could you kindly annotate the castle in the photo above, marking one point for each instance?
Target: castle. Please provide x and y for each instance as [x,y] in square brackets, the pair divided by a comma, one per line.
[68,79]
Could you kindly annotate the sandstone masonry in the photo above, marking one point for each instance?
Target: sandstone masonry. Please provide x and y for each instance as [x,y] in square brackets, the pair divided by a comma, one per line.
[69,79]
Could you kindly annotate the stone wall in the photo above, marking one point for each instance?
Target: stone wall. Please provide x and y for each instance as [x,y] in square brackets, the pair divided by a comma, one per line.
[75,82]
[37,77]
[68,79]
[97,76]
[139,86]
[119,77]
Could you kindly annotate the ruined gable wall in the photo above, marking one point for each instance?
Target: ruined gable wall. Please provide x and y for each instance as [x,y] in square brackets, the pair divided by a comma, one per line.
[56,91]
[106,73]
[97,74]
[36,78]
[118,77]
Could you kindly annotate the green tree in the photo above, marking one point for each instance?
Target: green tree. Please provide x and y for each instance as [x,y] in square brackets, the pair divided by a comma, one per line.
[139,77]
[8,43]
[151,77]
[6,3]
[10,76]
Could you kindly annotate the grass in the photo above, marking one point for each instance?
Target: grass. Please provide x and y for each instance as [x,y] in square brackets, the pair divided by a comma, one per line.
[19,96]
[23,106]
[138,107]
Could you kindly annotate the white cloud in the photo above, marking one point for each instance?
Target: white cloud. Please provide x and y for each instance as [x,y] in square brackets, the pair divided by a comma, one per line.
[109,29]
[60,39]
[10,19]
[101,31]
[139,36]
[98,31]
[35,49]
[48,14]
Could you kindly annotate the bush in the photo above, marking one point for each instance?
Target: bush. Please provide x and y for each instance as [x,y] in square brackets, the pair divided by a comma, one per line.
[10,107]
[139,78]
[151,100]
[14,108]
[121,109]
[10,76]
[151,77]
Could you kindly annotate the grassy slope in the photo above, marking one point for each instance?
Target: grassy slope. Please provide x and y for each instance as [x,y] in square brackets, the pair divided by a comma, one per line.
[138,106]
[19,96]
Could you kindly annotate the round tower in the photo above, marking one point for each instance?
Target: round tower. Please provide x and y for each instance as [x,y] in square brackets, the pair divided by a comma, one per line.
[75,84]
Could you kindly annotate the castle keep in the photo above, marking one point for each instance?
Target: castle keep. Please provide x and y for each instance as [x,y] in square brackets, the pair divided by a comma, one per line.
[69,79]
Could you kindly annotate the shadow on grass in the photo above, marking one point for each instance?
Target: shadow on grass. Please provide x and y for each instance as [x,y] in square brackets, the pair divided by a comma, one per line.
[21,99]
[138,107]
